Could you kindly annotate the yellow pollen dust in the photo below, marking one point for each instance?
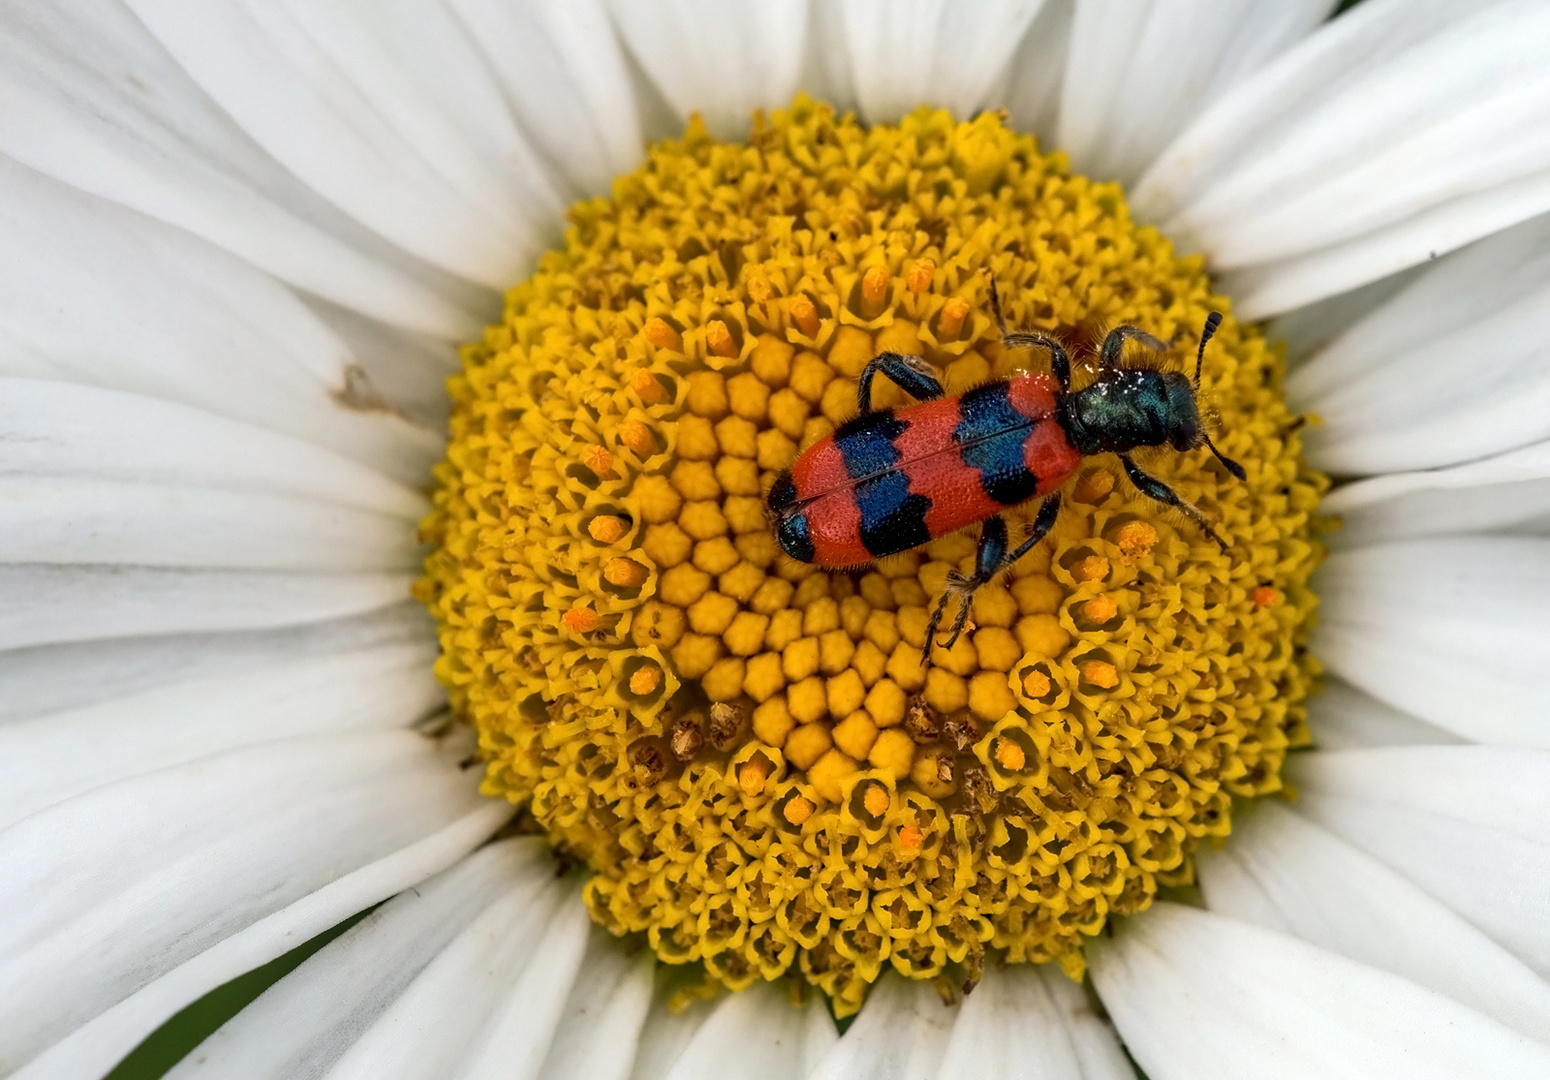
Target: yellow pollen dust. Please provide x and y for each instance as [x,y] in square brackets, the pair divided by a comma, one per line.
[749,752]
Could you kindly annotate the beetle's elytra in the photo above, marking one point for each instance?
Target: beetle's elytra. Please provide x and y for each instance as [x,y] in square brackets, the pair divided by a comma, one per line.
[891,480]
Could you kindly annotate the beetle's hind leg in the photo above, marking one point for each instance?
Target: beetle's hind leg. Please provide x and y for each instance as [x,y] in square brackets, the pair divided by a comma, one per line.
[991,558]
[912,374]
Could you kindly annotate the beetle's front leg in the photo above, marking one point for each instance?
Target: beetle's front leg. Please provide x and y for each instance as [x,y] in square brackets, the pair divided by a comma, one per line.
[912,374]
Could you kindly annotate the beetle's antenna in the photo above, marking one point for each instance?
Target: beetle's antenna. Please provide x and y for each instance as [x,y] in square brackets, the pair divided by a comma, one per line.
[1232,466]
[1213,320]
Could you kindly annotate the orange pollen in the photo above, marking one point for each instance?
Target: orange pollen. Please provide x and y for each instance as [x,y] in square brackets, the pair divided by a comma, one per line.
[753,774]
[874,291]
[1035,684]
[954,312]
[606,528]
[1264,596]
[1009,755]
[580,620]
[637,436]
[1135,538]
[645,679]
[598,459]
[797,810]
[920,274]
[1092,568]
[759,290]
[645,384]
[1094,486]
[1100,673]
[1100,609]
[719,339]
[875,800]
[661,335]
[624,573]
[910,839]
[805,315]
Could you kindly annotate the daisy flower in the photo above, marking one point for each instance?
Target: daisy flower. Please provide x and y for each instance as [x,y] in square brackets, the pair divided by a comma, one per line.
[1107,829]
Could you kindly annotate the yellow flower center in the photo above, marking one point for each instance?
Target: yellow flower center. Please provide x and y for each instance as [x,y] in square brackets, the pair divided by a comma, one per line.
[748,750]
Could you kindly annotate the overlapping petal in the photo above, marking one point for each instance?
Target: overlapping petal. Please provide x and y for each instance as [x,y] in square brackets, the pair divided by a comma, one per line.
[1199,996]
[121,905]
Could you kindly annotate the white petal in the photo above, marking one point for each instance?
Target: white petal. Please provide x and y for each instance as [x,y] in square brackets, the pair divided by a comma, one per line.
[600,1027]
[404,366]
[1508,493]
[930,52]
[1313,326]
[489,1003]
[1455,630]
[1450,369]
[565,78]
[302,1024]
[50,758]
[1198,996]
[120,906]
[756,1034]
[1396,133]
[59,678]
[84,521]
[1033,1022]
[720,58]
[389,113]
[1469,824]
[97,103]
[188,323]
[901,1034]
[1344,718]
[666,1033]
[67,429]
[1037,71]
[1137,72]
[50,604]
[1284,873]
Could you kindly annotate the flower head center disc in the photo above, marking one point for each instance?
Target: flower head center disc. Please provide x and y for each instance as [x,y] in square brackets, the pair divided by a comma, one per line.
[748,750]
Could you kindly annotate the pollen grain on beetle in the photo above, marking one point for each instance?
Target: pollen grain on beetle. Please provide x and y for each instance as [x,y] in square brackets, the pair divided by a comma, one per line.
[748,750]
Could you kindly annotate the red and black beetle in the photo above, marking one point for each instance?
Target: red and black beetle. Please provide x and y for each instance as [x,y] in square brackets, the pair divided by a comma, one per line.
[890,480]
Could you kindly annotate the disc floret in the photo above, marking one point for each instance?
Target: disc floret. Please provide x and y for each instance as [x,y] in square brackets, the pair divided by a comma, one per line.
[750,752]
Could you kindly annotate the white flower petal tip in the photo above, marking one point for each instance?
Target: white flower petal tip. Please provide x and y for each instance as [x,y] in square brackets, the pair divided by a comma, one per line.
[1196,997]
[718,58]
[1396,133]
[1508,493]
[1341,717]
[122,905]
[1449,369]
[565,76]
[384,982]
[755,1034]
[391,115]
[192,324]
[1469,824]
[1468,652]
[1020,1020]
[1137,73]
[898,57]
[96,103]
[1284,873]
[46,605]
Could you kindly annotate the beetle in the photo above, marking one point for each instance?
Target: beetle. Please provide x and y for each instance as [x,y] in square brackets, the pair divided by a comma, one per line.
[889,480]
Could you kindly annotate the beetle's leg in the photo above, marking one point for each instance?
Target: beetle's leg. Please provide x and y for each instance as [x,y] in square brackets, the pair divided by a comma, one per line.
[990,559]
[911,374]
[1059,362]
[1154,488]
[1114,344]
